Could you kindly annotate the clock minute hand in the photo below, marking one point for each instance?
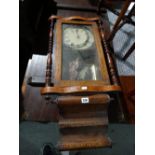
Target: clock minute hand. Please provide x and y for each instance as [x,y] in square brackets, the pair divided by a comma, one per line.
[77,34]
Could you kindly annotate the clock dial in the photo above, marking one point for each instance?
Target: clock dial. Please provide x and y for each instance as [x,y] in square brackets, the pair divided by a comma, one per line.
[78,38]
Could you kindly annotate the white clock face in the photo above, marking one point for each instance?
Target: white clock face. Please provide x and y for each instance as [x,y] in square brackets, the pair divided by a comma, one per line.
[77,38]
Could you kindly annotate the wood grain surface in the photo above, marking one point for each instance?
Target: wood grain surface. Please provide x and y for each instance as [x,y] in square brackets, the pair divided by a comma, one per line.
[79,89]
[76,100]
[34,106]
[69,142]
[128,90]
[83,126]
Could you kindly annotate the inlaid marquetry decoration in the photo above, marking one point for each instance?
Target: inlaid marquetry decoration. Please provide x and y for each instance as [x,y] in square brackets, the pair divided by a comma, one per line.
[79,77]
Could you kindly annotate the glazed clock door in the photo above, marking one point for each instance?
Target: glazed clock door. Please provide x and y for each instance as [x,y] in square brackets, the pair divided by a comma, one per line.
[80,54]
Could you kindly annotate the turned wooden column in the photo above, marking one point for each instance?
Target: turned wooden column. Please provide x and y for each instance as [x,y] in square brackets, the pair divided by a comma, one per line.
[112,71]
[49,56]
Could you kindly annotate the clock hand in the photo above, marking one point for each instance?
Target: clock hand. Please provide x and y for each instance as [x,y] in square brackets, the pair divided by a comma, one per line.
[77,34]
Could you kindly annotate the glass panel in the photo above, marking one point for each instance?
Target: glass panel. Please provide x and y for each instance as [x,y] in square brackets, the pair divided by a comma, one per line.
[79,53]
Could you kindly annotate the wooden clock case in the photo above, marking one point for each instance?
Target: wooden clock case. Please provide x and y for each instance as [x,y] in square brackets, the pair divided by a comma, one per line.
[82,104]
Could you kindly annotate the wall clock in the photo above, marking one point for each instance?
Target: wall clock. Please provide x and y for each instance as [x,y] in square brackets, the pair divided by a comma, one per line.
[79,77]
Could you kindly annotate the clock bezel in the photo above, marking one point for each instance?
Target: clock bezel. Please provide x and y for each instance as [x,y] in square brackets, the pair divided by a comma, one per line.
[58,81]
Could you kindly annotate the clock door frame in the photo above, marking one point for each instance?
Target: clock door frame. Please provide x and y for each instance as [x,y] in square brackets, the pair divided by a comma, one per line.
[58,81]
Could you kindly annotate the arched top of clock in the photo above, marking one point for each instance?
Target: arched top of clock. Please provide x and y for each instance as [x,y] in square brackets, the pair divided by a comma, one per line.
[74,18]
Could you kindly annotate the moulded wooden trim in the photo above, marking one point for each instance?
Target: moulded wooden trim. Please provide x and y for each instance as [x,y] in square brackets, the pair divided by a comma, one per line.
[79,89]
[97,99]
[74,18]
[69,142]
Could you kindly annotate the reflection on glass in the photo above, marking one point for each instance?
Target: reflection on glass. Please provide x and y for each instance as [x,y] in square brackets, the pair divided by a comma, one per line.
[79,54]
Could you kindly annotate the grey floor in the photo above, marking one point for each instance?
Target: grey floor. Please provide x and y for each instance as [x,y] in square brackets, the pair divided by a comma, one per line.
[33,134]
